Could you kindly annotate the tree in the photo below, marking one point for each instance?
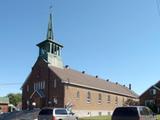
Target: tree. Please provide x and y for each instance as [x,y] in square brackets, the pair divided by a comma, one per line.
[130,102]
[15,98]
[153,107]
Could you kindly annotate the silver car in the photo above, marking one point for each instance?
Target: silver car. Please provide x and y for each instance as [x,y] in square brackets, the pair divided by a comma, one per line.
[56,114]
[133,113]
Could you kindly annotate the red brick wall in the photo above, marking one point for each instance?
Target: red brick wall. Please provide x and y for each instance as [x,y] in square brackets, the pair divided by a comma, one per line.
[4,107]
[41,72]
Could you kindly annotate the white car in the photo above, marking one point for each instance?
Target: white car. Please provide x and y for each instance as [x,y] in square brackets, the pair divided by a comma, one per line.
[56,114]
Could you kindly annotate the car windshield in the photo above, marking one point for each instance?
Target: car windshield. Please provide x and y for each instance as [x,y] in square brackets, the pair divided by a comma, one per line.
[61,112]
[145,111]
[126,111]
[46,112]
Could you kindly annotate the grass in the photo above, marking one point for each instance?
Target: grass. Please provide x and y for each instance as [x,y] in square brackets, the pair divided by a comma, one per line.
[97,118]
[104,118]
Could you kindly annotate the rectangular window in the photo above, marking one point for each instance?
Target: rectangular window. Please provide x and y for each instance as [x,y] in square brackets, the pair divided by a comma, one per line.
[116,100]
[34,86]
[99,98]
[88,97]
[149,102]
[108,98]
[152,92]
[27,88]
[43,85]
[55,83]
[38,85]
[78,95]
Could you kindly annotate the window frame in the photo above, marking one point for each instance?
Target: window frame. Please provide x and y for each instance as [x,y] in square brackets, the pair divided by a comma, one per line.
[99,98]
[88,99]
[108,98]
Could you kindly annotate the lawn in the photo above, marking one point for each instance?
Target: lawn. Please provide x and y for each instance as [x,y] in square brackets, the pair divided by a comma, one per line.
[104,118]
[97,118]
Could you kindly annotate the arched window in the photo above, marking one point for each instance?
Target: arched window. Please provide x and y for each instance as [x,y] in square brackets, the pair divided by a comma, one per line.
[99,98]
[78,95]
[88,97]
[108,98]
[116,100]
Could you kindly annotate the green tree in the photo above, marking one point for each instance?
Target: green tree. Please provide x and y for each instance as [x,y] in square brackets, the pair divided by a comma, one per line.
[153,107]
[130,102]
[15,98]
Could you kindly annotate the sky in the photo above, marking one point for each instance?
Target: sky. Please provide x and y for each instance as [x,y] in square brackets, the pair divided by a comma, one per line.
[114,39]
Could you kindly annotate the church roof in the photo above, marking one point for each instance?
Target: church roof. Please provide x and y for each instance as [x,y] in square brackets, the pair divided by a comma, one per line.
[77,78]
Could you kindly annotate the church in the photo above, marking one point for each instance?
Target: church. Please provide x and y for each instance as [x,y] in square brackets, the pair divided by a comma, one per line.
[51,84]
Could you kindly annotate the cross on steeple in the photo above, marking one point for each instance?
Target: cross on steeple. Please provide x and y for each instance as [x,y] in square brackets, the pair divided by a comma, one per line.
[50,35]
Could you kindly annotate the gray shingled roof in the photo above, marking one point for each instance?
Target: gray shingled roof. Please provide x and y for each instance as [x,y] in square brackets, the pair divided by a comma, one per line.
[78,78]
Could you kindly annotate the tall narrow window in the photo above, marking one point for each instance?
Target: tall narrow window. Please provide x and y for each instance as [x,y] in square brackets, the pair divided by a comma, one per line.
[78,95]
[55,83]
[123,100]
[52,49]
[34,86]
[27,88]
[108,98]
[99,98]
[43,84]
[88,97]
[39,85]
[116,100]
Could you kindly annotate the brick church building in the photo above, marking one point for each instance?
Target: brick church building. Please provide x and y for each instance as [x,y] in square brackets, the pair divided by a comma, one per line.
[50,83]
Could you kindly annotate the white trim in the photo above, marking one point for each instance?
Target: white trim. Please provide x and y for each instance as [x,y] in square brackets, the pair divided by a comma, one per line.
[97,88]
[156,87]
[34,93]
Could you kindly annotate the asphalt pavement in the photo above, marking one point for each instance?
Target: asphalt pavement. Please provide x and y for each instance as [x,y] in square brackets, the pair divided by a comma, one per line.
[20,115]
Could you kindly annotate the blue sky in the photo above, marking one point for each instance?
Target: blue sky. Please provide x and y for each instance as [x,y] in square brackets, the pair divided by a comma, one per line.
[114,39]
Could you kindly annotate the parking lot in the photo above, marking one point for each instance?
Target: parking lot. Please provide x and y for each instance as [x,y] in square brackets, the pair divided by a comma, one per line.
[21,115]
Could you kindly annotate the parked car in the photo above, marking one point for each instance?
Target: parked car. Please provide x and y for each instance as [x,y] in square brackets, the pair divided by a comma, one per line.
[56,114]
[133,113]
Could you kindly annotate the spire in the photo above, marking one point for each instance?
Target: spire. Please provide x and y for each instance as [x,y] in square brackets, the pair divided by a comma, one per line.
[50,29]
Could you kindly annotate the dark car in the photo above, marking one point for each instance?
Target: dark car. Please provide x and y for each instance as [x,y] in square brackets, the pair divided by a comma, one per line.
[133,113]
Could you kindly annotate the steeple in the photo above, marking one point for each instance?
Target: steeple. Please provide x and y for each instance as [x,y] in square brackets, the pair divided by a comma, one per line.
[50,35]
[49,49]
